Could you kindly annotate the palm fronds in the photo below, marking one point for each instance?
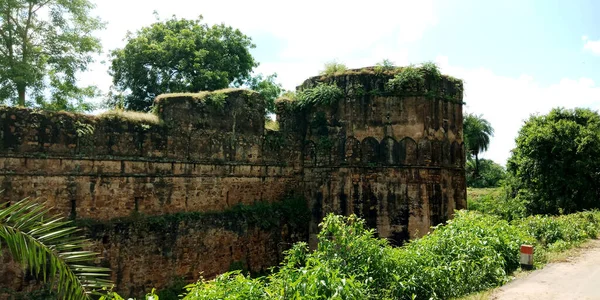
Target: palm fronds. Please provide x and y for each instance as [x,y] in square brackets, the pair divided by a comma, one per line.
[51,248]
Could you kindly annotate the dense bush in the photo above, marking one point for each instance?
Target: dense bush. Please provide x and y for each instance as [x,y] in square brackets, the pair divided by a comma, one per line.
[470,253]
[557,161]
[490,174]
[497,201]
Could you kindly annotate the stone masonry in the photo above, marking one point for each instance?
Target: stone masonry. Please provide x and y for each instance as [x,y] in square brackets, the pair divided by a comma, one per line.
[395,159]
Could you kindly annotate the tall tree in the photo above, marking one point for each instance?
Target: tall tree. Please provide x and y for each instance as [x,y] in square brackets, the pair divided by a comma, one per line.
[477,132]
[179,55]
[43,44]
[557,161]
[267,87]
[51,248]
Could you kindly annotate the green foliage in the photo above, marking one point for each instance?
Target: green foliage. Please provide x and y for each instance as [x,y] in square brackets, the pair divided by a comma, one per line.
[470,253]
[409,79]
[216,99]
[333,68]
[43,44]
[271,124]
[476,132]
[231,285]
[51,249]
[179,55]
[321,94]
[496,201]
[268,88]
[490,173]
[385,65]
[557,161]
[152,295]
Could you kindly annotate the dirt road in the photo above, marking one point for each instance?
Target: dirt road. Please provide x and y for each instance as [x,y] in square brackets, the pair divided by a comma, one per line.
[577,278]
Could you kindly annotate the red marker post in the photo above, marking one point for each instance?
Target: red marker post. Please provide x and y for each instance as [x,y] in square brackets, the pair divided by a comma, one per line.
[527,257]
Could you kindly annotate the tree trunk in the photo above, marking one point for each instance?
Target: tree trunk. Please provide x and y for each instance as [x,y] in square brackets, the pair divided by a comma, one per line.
[21,91]
[476,165]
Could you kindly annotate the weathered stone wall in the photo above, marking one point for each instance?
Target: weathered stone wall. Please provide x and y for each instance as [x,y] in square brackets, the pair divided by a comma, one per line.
[391,157]
[123,170]
[157,193]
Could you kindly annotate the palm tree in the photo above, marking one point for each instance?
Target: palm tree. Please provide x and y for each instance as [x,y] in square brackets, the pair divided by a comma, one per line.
[51,249]
[476,132]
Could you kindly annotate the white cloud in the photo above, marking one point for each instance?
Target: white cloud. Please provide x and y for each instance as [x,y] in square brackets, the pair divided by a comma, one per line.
[507,102]
[313,31]
[590,45]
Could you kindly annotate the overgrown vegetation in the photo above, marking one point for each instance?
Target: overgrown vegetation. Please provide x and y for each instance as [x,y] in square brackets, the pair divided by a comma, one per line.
[490,174]
[385,65]
[271,124]
[470,253]
[321,94]
[131,116]
[557,161]
[413,80]
[333,68]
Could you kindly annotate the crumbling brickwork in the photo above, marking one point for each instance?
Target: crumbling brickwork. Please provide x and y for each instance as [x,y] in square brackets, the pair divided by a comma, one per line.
[158,193]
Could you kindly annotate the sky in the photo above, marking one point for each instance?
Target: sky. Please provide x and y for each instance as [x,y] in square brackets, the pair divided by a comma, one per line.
[516,57]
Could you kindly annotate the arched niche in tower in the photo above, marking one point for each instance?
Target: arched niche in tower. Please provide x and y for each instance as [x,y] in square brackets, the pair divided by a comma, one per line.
[370,151]
[446,153]
[310,154]
[425,152]
[455,154]
[436,153]
[390,151]
[352,151]
[408,151]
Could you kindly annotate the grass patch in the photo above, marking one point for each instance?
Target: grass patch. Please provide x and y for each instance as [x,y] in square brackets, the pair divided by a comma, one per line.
[334,68]
[131,116]
[271,124]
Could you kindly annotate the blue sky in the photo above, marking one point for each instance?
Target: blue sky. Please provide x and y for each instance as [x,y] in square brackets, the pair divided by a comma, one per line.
[517,58]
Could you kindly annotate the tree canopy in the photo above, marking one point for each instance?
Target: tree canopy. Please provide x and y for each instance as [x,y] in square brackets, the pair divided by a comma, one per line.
[178,55]
[557,161]
[267,87]
[477,132]
[43,44]
[490,174]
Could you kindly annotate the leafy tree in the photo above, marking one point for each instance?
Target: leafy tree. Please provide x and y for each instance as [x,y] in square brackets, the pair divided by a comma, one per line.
[557,161]
[50,248]
[490,174]
[42,46]
[477,132]
[179,55]
[267,87]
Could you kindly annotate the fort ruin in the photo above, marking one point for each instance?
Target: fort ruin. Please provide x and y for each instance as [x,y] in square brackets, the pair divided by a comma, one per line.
[201,186]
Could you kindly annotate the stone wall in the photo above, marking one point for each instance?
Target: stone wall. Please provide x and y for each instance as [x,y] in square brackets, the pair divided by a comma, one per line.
[395,158]
[159,194]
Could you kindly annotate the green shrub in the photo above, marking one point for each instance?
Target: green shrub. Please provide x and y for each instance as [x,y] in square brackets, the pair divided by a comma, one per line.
[472,252]
[325,94]
[490,174]
[409,79]
[333,68]
[496,201]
